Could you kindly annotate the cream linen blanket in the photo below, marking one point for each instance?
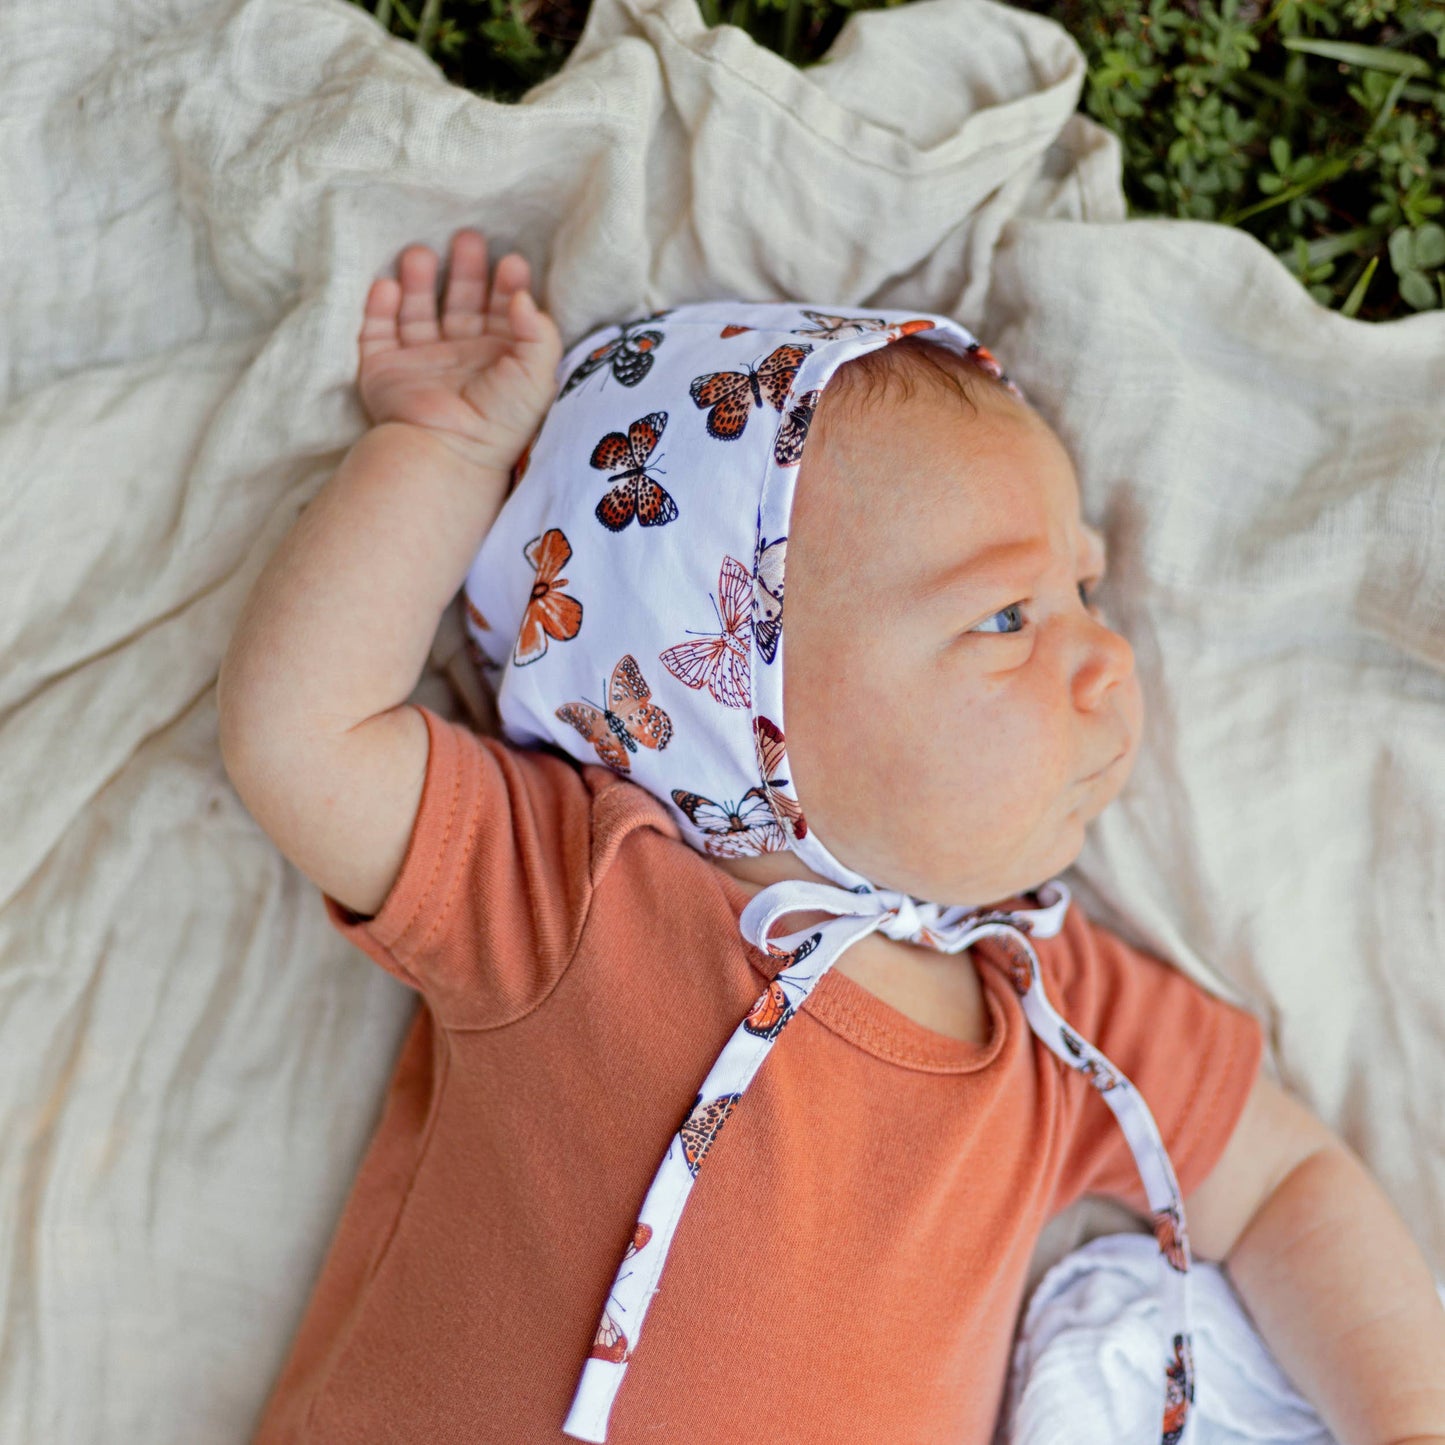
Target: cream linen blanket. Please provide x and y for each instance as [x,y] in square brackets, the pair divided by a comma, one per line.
[194,199]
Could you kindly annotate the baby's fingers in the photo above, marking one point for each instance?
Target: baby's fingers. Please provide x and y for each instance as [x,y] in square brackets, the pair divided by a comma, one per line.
[513,275]
[378,322]
[535,337]
[418,319]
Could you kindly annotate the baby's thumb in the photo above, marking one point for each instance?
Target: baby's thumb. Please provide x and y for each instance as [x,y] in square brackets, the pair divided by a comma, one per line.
[534,333]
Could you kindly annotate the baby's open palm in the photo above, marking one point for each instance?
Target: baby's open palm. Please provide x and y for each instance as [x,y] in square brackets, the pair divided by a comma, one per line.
[481,375]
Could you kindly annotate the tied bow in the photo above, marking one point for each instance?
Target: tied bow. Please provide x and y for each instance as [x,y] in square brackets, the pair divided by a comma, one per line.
[898,915]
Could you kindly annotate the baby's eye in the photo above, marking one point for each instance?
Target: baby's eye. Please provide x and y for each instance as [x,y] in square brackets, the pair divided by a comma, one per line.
[1014,610]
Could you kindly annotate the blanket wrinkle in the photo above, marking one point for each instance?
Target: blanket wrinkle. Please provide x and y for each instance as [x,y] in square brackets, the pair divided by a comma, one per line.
[197,199]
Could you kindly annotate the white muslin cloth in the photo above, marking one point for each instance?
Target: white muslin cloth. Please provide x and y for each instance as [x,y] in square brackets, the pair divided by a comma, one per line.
[1084,1366]
[196,199]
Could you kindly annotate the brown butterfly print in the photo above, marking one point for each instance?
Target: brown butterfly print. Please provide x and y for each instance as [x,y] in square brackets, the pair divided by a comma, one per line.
[702,1126]
[627,718]
[788,448]
[733,830]
[1099,1075]
[730,396]
[1179,1391]
[774,1008]
[1020,974]
[768,743]
[634,492]
[1169,1231]
[629,356]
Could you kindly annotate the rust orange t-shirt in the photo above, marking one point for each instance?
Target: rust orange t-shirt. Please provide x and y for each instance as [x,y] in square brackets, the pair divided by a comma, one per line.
[851,1261]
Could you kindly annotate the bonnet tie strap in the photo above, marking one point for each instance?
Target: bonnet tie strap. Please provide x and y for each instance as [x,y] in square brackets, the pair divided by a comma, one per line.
[804,957]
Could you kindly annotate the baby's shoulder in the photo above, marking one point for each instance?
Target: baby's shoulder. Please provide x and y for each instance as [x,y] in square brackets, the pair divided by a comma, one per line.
[1086,958]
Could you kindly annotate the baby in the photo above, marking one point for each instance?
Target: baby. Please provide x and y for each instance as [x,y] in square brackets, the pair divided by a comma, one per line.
[589,919]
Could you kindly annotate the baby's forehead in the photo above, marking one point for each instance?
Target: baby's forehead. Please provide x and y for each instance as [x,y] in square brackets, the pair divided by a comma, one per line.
[930,434]
[917,470]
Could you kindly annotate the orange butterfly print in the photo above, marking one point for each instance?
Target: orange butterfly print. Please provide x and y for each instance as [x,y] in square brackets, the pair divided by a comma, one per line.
[787,958]
[1099,1075]
[610,1343]
[788,448]
[702,1126]
[773,1008]
[628,718]
[985,358]
[835,328]
[1020,974]
[634,493]
[768,595]
[733,830]
[549,612]
[628,355]
[720,660]
[1170,1234]
[908,328]
[730,396]
[768,743]
[769,1013]
[1179,1392]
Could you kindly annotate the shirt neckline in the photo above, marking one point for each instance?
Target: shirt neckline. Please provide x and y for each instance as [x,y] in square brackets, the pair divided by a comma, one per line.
[847,1009]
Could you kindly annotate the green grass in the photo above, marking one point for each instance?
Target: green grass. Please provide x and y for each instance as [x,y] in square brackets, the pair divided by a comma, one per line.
[1316,127]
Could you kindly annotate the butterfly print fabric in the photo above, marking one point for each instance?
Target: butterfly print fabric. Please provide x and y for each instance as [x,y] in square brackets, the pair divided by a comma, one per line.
[730,396]
[634,492]
[721,661]
[625,720]
[734,830]
[627,356]
[695,423]
[549,611]
[768,595]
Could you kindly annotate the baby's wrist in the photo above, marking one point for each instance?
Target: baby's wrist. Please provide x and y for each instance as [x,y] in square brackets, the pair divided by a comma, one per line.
[474,466]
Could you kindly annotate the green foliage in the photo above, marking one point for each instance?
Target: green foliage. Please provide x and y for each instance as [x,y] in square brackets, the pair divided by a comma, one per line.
[1316,127]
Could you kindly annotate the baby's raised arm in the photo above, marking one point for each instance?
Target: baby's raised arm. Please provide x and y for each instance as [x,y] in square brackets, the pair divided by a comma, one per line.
[315,731]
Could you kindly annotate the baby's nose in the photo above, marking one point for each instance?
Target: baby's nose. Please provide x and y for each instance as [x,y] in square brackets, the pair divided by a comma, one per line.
[1108,663]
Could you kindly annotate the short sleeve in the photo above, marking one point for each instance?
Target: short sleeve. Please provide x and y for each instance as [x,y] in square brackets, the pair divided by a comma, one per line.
[1192,1056]
[486,911]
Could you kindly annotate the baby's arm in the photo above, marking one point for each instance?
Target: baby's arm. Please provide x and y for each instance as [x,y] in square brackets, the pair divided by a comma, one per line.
[1329,1272]
[315,731]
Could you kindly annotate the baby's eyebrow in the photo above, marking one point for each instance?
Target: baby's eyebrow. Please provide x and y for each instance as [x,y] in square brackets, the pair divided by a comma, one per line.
[1018,565]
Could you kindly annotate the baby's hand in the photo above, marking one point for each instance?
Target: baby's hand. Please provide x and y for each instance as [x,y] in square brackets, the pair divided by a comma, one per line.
[482,381]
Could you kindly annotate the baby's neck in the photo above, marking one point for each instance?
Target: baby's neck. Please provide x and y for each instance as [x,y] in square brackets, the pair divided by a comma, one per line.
[940,991]
[757,871]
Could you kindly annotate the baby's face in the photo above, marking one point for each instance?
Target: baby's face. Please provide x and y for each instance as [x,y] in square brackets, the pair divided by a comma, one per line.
[955,713]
